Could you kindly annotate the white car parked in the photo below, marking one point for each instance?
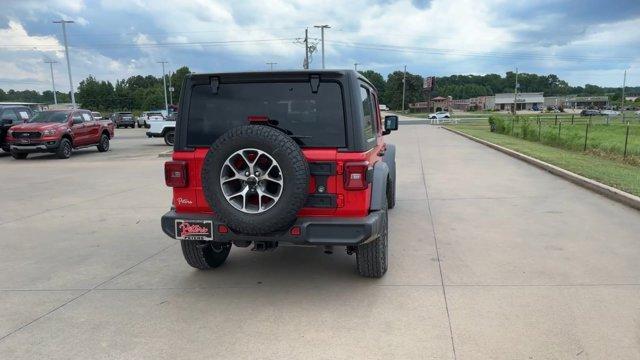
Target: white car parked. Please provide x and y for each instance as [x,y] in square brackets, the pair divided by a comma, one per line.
[609,112]
[439,115]
[383,107]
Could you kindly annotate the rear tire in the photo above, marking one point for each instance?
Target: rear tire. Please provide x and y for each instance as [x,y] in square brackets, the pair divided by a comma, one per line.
[391,193]
[6,148]
[372,257]
[169,137]
[64,150]
[204,255]
[103,145]
[19,156]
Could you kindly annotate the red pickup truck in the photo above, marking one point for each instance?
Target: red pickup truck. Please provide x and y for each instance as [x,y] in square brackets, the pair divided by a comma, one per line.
[59,132]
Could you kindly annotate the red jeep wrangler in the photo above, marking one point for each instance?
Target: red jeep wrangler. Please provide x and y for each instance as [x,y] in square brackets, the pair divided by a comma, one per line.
[59,132]
[270,158]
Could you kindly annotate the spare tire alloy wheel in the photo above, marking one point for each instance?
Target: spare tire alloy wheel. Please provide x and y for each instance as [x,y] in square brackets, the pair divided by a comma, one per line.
[251,181]
[255,178]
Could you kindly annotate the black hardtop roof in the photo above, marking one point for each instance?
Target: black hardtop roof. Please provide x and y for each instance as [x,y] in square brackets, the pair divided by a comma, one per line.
[282,75]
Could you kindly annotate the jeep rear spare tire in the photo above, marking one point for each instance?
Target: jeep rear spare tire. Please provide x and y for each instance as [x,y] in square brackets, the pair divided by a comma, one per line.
[256,179]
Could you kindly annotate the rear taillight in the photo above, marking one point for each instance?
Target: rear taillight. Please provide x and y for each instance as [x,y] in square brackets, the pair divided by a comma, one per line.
[355,175]
[175,173]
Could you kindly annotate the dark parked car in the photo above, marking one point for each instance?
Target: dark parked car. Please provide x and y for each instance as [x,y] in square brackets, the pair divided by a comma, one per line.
[123,119]
[9,116]
[589,112]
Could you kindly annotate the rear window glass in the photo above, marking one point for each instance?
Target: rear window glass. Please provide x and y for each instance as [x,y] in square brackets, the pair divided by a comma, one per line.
[313,119]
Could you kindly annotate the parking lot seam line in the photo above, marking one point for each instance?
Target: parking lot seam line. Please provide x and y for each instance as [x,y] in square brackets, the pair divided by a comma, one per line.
[435,241]
[69,205]
[248,287]
[491,198]
[268,286]
[83,293]
[41,290]
[589,184]
[542,285]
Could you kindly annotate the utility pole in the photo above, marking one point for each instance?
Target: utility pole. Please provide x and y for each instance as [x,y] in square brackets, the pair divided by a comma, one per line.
[164,82]
[404,85]
[66,52]
[53,82]
[355,66]
[322,27]
[515,93]
[624,85]
[306,48]
[271,65]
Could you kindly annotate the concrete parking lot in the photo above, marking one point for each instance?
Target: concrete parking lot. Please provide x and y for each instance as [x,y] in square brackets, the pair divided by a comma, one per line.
[490,258]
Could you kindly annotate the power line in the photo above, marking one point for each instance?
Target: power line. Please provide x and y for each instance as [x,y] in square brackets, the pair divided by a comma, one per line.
[441,51]
[166,44]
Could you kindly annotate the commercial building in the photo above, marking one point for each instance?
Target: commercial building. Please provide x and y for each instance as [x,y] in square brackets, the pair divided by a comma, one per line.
[523,101]
[576,102]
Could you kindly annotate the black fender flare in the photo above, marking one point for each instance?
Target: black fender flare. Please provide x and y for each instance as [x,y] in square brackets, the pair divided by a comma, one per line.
[389,158]
[379,185]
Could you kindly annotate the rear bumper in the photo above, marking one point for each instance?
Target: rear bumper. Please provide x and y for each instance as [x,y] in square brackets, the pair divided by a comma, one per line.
[313,230]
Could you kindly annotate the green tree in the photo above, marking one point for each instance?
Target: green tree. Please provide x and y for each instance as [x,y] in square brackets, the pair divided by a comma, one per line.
[376,79]
[177,78]
[392,96]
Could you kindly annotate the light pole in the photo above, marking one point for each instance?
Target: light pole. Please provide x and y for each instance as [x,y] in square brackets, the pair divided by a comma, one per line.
[170,91]
[515,93]
[53,82]
[322,27]
[271,65]
[66,53]
[355,66]
[404,85]
[164,82]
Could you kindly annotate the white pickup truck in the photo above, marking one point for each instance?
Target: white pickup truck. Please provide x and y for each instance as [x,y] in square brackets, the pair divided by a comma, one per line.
[165,129]
[147,117]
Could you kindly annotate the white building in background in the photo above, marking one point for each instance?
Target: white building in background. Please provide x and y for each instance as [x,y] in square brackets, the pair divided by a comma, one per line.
[523,101]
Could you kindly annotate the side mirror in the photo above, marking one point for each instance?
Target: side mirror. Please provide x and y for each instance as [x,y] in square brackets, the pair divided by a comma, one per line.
[390,124]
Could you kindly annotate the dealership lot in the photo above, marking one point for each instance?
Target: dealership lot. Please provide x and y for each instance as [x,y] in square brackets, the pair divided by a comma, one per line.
[489,258]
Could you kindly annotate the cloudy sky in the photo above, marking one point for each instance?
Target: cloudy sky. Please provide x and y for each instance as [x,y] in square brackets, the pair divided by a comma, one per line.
[582,41]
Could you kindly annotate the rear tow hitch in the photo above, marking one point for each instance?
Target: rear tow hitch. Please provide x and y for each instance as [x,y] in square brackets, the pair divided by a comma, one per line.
[264,245]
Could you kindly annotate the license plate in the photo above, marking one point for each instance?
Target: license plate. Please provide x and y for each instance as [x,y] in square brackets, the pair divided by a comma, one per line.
[194,230]
[25,141]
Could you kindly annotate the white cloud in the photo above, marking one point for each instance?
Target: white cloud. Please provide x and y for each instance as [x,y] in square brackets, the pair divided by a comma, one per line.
[219,35]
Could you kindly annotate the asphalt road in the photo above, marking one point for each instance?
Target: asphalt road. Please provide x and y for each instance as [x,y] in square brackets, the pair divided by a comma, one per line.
[489,258]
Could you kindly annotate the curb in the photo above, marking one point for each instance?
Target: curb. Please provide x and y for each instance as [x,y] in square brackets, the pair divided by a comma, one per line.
[168,153]
[600,188]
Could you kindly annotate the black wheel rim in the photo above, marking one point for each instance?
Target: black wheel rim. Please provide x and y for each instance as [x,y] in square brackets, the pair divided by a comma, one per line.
[105,143]
[170,138]
[67,149]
